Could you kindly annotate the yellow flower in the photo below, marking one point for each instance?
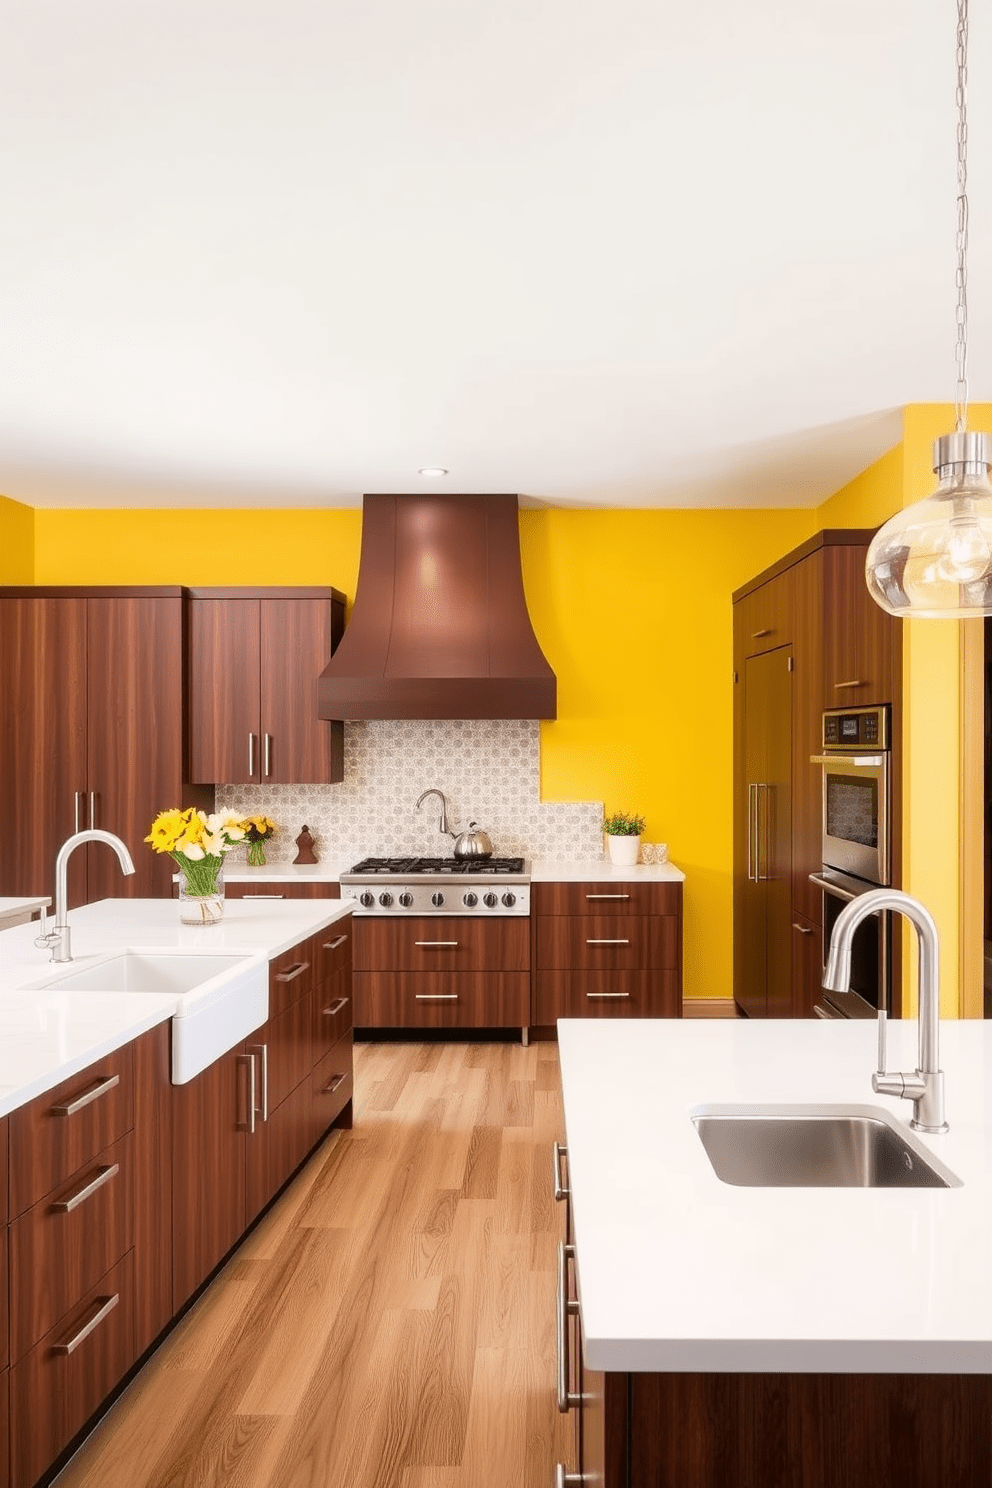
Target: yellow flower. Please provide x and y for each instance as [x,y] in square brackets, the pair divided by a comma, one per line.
[166,829]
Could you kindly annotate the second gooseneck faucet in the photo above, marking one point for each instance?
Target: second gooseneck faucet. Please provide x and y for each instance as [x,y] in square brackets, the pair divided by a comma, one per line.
[924,1086]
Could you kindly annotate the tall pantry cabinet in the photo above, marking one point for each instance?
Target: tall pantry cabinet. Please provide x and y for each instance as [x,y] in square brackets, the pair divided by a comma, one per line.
[807,636]
[92,691]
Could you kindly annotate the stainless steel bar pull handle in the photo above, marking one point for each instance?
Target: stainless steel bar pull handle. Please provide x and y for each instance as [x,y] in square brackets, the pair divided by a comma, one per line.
[435,942]
[297,969]
[104,1306]
[435,996]
[565,1479]
[335,1007]
[263,896]
[335,1082]
[332,945]
[855,682]
[558,1151]
[92,809]
[593,996]
[267,753]
[763,842]
[249,1060]
[262,1050]
[102,1087]
[607,942]
[251,754]
[66,1206]
[752,793]
[607,896]
[566,1307]
[803,929]
[756,635]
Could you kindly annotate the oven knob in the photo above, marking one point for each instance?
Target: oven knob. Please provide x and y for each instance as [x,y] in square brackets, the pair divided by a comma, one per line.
[367,899]
[509,900]
[490,899]
[470,900]
[437,899]
[385,900]
[406,898]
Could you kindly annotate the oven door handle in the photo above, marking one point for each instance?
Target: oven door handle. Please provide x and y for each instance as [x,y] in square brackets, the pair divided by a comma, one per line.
[863,761]
[832,888]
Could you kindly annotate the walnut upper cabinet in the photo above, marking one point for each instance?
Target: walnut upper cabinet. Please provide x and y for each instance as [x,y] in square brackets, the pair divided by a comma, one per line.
[255,656]
[92,683]
[858,635]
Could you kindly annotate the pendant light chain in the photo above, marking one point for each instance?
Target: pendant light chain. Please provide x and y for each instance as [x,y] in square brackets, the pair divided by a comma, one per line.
[961,277]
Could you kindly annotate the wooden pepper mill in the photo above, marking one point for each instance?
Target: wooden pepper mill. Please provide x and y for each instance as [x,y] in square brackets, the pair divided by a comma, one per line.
[304,843]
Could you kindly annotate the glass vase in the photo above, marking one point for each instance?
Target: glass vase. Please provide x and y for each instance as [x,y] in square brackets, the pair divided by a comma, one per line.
[256,853]
[201,908]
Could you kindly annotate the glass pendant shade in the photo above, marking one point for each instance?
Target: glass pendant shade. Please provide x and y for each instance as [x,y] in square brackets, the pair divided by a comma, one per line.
[933,560]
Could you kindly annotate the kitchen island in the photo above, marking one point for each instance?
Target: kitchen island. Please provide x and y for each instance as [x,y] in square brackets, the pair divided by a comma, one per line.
[774,1335]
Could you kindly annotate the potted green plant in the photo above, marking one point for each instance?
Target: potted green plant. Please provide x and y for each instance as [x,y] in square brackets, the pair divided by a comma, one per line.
[623,837]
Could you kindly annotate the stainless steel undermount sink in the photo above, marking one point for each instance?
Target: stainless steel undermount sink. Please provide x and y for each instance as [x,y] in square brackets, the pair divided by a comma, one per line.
[822,1146]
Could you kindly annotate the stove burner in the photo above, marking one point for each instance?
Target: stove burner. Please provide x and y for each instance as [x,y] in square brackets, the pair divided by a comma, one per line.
[402,867]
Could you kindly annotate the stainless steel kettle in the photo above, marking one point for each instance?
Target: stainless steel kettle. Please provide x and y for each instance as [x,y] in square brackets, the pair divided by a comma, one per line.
[473,844]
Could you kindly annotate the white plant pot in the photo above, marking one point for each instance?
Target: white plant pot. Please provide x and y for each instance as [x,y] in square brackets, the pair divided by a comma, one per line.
[623,851]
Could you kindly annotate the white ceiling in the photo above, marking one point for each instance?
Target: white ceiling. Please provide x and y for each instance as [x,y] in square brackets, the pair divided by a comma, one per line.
[600,252]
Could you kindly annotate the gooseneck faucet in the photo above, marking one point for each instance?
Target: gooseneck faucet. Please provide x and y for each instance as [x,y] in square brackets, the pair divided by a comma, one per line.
[443,823]
[925,1085]
[58,939]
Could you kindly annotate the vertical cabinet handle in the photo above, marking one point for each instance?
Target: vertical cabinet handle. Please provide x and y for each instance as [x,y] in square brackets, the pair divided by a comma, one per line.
[251,754]
[92,809]
[566,1307]
[558,1151]
[262,1050]
[752,872]
[267,753]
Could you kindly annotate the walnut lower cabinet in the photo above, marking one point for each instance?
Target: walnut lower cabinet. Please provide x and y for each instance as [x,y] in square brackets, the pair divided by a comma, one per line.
[606,950]
[126,1191]
[442,971]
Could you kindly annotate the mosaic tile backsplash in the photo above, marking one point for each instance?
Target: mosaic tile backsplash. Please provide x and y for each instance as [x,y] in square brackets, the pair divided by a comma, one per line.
[488,769]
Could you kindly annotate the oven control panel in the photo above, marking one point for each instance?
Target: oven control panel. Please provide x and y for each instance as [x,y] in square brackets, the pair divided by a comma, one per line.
[452,898]
[856,728]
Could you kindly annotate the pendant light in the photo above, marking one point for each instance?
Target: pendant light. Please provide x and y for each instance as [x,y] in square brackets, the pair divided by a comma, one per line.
[933,560]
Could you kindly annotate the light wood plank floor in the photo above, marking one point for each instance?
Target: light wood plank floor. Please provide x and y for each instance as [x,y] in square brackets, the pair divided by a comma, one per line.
[390,1324]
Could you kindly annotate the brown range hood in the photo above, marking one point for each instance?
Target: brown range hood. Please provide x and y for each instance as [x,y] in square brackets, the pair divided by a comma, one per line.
[439,627]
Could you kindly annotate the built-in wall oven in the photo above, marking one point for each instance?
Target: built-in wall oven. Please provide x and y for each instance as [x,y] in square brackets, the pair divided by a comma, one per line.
[857,847]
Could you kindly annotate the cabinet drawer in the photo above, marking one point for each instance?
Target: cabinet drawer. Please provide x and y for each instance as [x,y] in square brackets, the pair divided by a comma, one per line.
[442,943]
[291,976]
[608,898]
[648,942]
[57,1386]
[332,950]
[58,1132]
[605,994]
[331,1013]
[332,1086]
[64,1244]
[444,1000]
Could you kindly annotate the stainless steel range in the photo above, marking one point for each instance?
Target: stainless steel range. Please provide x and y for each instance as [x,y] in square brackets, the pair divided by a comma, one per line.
[438,886]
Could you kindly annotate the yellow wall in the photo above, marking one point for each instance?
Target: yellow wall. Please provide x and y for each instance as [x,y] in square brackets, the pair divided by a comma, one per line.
[16,542]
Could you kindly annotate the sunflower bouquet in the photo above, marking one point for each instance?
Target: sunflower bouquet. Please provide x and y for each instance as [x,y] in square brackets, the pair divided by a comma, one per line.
[197,843]
[258,830]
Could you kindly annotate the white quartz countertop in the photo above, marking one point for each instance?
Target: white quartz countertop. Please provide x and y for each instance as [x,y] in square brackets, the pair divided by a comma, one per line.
[678,1271]
[47,1035]
[17,908]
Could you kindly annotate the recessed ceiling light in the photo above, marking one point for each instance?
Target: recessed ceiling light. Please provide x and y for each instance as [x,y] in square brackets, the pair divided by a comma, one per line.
[433,470]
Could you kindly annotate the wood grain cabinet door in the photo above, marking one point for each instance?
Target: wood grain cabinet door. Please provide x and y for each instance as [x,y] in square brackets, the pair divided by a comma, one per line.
[225,746]
[43,773]
[858,636]
[135,721]
[296,643]
[210,1120]
[807,966]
